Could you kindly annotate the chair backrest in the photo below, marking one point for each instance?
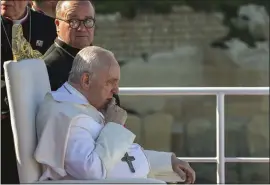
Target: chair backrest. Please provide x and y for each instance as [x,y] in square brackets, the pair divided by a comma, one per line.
[27,83]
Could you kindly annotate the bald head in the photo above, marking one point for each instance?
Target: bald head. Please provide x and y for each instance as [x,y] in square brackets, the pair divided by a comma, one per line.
[63,7]
[91,59]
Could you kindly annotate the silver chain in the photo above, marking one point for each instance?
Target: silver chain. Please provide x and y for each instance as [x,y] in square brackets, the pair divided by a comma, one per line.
[30,29]
[64,50]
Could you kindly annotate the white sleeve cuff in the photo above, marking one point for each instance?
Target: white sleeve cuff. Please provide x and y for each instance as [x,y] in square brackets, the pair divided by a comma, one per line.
[113,142]
[161,166]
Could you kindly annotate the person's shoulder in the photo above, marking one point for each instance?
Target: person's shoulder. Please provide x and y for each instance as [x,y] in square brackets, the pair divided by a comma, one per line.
[41,15]
[42,18]
[52,56]
[54,105]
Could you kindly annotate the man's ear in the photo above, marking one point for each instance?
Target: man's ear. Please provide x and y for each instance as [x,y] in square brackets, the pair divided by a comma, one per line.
[56,21]
[86,80]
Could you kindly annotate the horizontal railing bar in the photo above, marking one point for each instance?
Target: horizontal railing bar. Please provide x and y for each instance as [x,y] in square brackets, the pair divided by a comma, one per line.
[199,159]
[194,90]
[227,159]
[247,160]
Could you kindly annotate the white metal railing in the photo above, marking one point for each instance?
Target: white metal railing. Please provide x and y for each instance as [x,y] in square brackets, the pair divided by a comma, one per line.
[220,93]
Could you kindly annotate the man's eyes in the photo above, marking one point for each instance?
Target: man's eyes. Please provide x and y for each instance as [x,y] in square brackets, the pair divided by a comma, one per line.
[112,82]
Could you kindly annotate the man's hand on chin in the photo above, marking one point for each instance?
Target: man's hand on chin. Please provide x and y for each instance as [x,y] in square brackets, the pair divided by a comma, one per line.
[183,169]
[115,114]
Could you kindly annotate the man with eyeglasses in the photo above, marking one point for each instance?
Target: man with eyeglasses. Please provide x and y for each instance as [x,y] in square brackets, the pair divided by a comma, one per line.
[75,23]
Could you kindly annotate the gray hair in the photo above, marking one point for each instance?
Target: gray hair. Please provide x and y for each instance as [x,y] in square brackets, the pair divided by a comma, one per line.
[89,60]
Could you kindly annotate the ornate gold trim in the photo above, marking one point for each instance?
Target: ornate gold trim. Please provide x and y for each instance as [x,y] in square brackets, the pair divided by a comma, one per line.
[21,48]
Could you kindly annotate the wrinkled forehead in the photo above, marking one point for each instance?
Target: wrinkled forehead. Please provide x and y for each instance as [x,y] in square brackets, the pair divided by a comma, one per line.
[113,73]
[109,70]
[77,9]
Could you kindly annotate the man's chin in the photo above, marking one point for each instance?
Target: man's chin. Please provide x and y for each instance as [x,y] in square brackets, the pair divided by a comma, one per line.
[80,44]
[104,106]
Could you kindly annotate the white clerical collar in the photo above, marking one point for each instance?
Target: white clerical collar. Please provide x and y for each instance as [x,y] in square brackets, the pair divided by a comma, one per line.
[22,19]
[59,38]
[67,93]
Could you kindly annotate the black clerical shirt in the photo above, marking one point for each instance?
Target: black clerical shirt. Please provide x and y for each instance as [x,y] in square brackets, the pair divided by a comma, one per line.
[59,59]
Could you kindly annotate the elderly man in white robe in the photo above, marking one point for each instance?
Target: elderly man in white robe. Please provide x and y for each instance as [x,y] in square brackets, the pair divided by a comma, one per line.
[81,134]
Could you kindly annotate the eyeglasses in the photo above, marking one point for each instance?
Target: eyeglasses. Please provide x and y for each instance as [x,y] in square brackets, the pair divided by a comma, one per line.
[75,23]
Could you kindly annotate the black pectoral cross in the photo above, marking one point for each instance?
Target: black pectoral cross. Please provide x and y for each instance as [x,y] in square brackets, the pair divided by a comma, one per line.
[129,160]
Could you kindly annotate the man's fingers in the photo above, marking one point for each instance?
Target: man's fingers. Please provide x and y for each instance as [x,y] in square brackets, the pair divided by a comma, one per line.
[112,102]
[189,179]
[190,175]
[181,173]
[194,176]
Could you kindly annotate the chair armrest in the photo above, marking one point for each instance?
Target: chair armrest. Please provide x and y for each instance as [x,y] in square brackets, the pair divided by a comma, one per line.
[104,181]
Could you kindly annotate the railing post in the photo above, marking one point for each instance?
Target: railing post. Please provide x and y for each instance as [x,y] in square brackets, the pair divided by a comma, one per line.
[220,138]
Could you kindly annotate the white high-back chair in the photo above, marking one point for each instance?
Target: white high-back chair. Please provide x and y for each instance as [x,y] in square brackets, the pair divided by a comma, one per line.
[27,83]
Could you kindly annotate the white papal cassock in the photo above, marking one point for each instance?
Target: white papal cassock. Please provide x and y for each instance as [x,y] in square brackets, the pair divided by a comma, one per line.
[74,143]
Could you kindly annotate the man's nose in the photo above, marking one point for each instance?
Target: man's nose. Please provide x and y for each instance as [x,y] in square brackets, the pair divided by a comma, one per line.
[82,27]
[115,90]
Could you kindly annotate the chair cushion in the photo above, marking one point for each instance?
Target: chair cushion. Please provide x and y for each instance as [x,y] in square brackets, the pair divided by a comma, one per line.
[27,83]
